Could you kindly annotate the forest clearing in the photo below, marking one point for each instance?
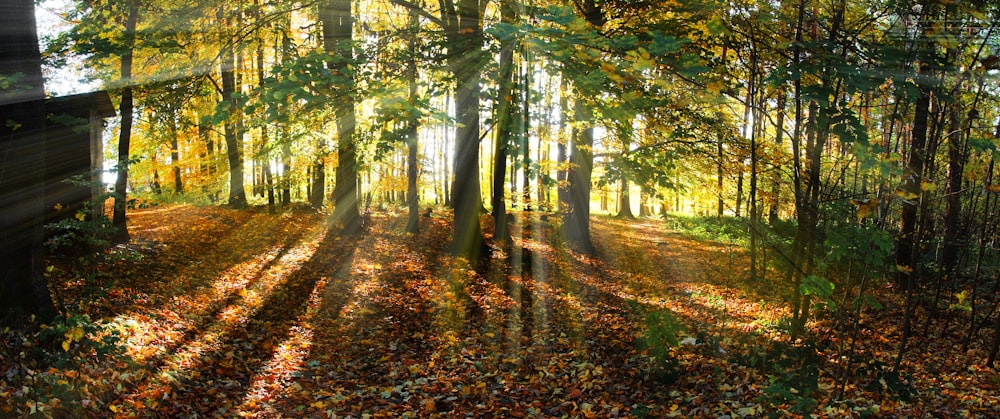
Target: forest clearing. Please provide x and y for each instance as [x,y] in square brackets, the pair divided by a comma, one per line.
[221,312]
[499,208]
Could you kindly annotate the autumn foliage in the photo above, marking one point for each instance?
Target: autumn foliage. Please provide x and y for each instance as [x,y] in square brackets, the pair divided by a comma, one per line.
[218,312]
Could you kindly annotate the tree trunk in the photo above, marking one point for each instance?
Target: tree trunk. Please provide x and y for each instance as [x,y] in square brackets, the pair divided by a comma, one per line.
[125,133]
[779,133]
[338,38]
[234,152]
[953,203]
[24,290]
[465,43]
[576,227]
[412,198]
[504,125]
[175,155]
[625,200]
[562,151]
[719,177]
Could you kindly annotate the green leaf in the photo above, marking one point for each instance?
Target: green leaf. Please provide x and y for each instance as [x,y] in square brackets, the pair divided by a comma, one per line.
[816,285]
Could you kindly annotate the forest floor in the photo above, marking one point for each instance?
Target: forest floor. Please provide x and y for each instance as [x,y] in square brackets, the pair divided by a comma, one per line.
[225,313]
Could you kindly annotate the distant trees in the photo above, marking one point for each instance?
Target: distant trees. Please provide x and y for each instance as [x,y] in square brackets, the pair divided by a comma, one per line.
[874,122]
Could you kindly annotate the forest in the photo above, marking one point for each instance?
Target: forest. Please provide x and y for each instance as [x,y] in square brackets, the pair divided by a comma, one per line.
[507,208]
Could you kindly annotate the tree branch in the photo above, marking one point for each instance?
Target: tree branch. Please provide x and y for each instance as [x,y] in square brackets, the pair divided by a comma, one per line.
[420,11]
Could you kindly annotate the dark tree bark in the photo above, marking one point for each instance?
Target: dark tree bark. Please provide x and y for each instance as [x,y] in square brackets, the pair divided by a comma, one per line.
[953,199]
[125,133]
[23,289]
[779,130]
[720,172]
[625,200]
[412,193]
[504,125]
[338,39]
[465,56]
[234,146]
[576,227]
[175,154]
[562,151]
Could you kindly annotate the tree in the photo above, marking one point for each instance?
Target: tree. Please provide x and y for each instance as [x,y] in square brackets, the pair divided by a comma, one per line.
[23,288]
[338,41]
[412,190]
[231,110]
[125,109]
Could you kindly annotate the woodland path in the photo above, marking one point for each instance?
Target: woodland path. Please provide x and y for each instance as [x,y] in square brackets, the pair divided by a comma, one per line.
[242,313]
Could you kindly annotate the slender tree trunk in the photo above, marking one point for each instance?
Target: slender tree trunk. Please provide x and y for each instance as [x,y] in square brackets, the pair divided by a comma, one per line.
[719,173]
[234,152]
[953,199]
[504,126]
[525,130]
[448,159]
[125,133]
[175,155]
[562,151]
[412,198]
[779,133]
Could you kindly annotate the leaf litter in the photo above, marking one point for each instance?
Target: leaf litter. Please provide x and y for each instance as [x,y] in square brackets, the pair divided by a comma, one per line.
[247,314]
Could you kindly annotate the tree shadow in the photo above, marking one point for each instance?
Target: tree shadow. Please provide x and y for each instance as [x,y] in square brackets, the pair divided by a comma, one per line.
[214,365]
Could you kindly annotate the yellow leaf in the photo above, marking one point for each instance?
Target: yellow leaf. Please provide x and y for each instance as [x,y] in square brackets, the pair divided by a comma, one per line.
[866,207]
[114,408]
[58,207]
[74,334]
[904,269]
[928,186]
[81,216]
[906,195]
[65,345]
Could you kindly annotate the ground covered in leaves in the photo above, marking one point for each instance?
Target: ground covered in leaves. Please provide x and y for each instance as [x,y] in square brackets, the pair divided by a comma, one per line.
[212,312]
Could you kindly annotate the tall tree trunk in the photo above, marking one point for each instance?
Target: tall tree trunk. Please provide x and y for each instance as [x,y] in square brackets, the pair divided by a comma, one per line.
[24,290]
[562,151]
[338,38]
[576,227]
[465,42]
[525,129]
[234,146]
[447,159]
[286,168]
[175,155]
[504,125]
[125,133]
[779,133]
[719,173]
[412,193]
[953,199]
